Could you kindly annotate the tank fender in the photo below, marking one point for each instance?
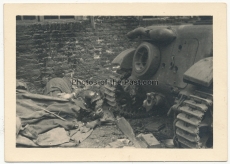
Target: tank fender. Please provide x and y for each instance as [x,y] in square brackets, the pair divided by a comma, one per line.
[200,73]
[137,32]
[163,35]
[125,58]
[157,34]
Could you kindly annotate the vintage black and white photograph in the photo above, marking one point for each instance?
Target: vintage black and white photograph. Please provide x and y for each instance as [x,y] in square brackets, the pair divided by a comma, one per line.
[114,81]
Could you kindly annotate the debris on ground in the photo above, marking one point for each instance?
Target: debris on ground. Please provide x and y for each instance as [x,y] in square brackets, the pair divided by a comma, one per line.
[102,136]
[150,140]
[139,126]
[83,120]
[168,143]
[154,126]
[69,144]
[81,136]
[108,117]
[119,143]
[53,137]
[125,127]
[21,85]
[93,124]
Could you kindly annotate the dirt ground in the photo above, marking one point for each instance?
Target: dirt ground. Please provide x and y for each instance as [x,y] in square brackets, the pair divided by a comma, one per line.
[102,136]
[107,133]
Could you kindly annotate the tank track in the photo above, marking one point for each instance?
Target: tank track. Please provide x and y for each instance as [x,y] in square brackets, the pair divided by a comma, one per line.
[111,89]
[193,124]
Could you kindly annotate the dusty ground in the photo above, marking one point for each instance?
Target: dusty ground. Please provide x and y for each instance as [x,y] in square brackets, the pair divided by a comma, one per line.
[107,133]
[102,136]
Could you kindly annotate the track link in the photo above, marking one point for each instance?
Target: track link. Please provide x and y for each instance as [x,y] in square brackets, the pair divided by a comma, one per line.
[193,124]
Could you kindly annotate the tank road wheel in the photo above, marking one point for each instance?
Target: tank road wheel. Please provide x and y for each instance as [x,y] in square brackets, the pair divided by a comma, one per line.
[193,124]
[127,99]
[146,60]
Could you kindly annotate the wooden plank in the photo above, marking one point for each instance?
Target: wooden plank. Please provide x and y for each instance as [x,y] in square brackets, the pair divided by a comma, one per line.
[125,127]
[43,97]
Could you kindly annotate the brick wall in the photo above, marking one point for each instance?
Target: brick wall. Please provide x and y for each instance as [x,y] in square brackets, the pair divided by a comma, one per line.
[43,48]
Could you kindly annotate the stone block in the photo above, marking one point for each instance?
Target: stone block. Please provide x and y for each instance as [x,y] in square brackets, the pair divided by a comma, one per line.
[150,140]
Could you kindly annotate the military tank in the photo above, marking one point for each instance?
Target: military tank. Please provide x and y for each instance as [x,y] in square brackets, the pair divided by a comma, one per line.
[171,68]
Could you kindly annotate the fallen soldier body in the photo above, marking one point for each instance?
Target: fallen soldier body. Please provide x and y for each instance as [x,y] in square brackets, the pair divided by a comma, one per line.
[63,88]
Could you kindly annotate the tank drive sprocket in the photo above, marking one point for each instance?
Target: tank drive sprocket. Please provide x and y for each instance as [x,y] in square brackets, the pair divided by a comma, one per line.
[123,98]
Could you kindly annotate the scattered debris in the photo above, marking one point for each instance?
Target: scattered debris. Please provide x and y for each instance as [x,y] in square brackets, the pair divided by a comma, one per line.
[150,140]
[46,121]
[154,126]
[68,144]
[119,143]
[84,129]
[168,143]
[108,116]
[93,124]
[113,139]
[21,91]
[72,132]
[128,147]
[53,137]
[21,85]
[80,136]
[125,127]
[142,144]
[124,141]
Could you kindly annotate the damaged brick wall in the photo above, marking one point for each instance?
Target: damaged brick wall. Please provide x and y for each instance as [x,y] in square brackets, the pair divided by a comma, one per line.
[42,48]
